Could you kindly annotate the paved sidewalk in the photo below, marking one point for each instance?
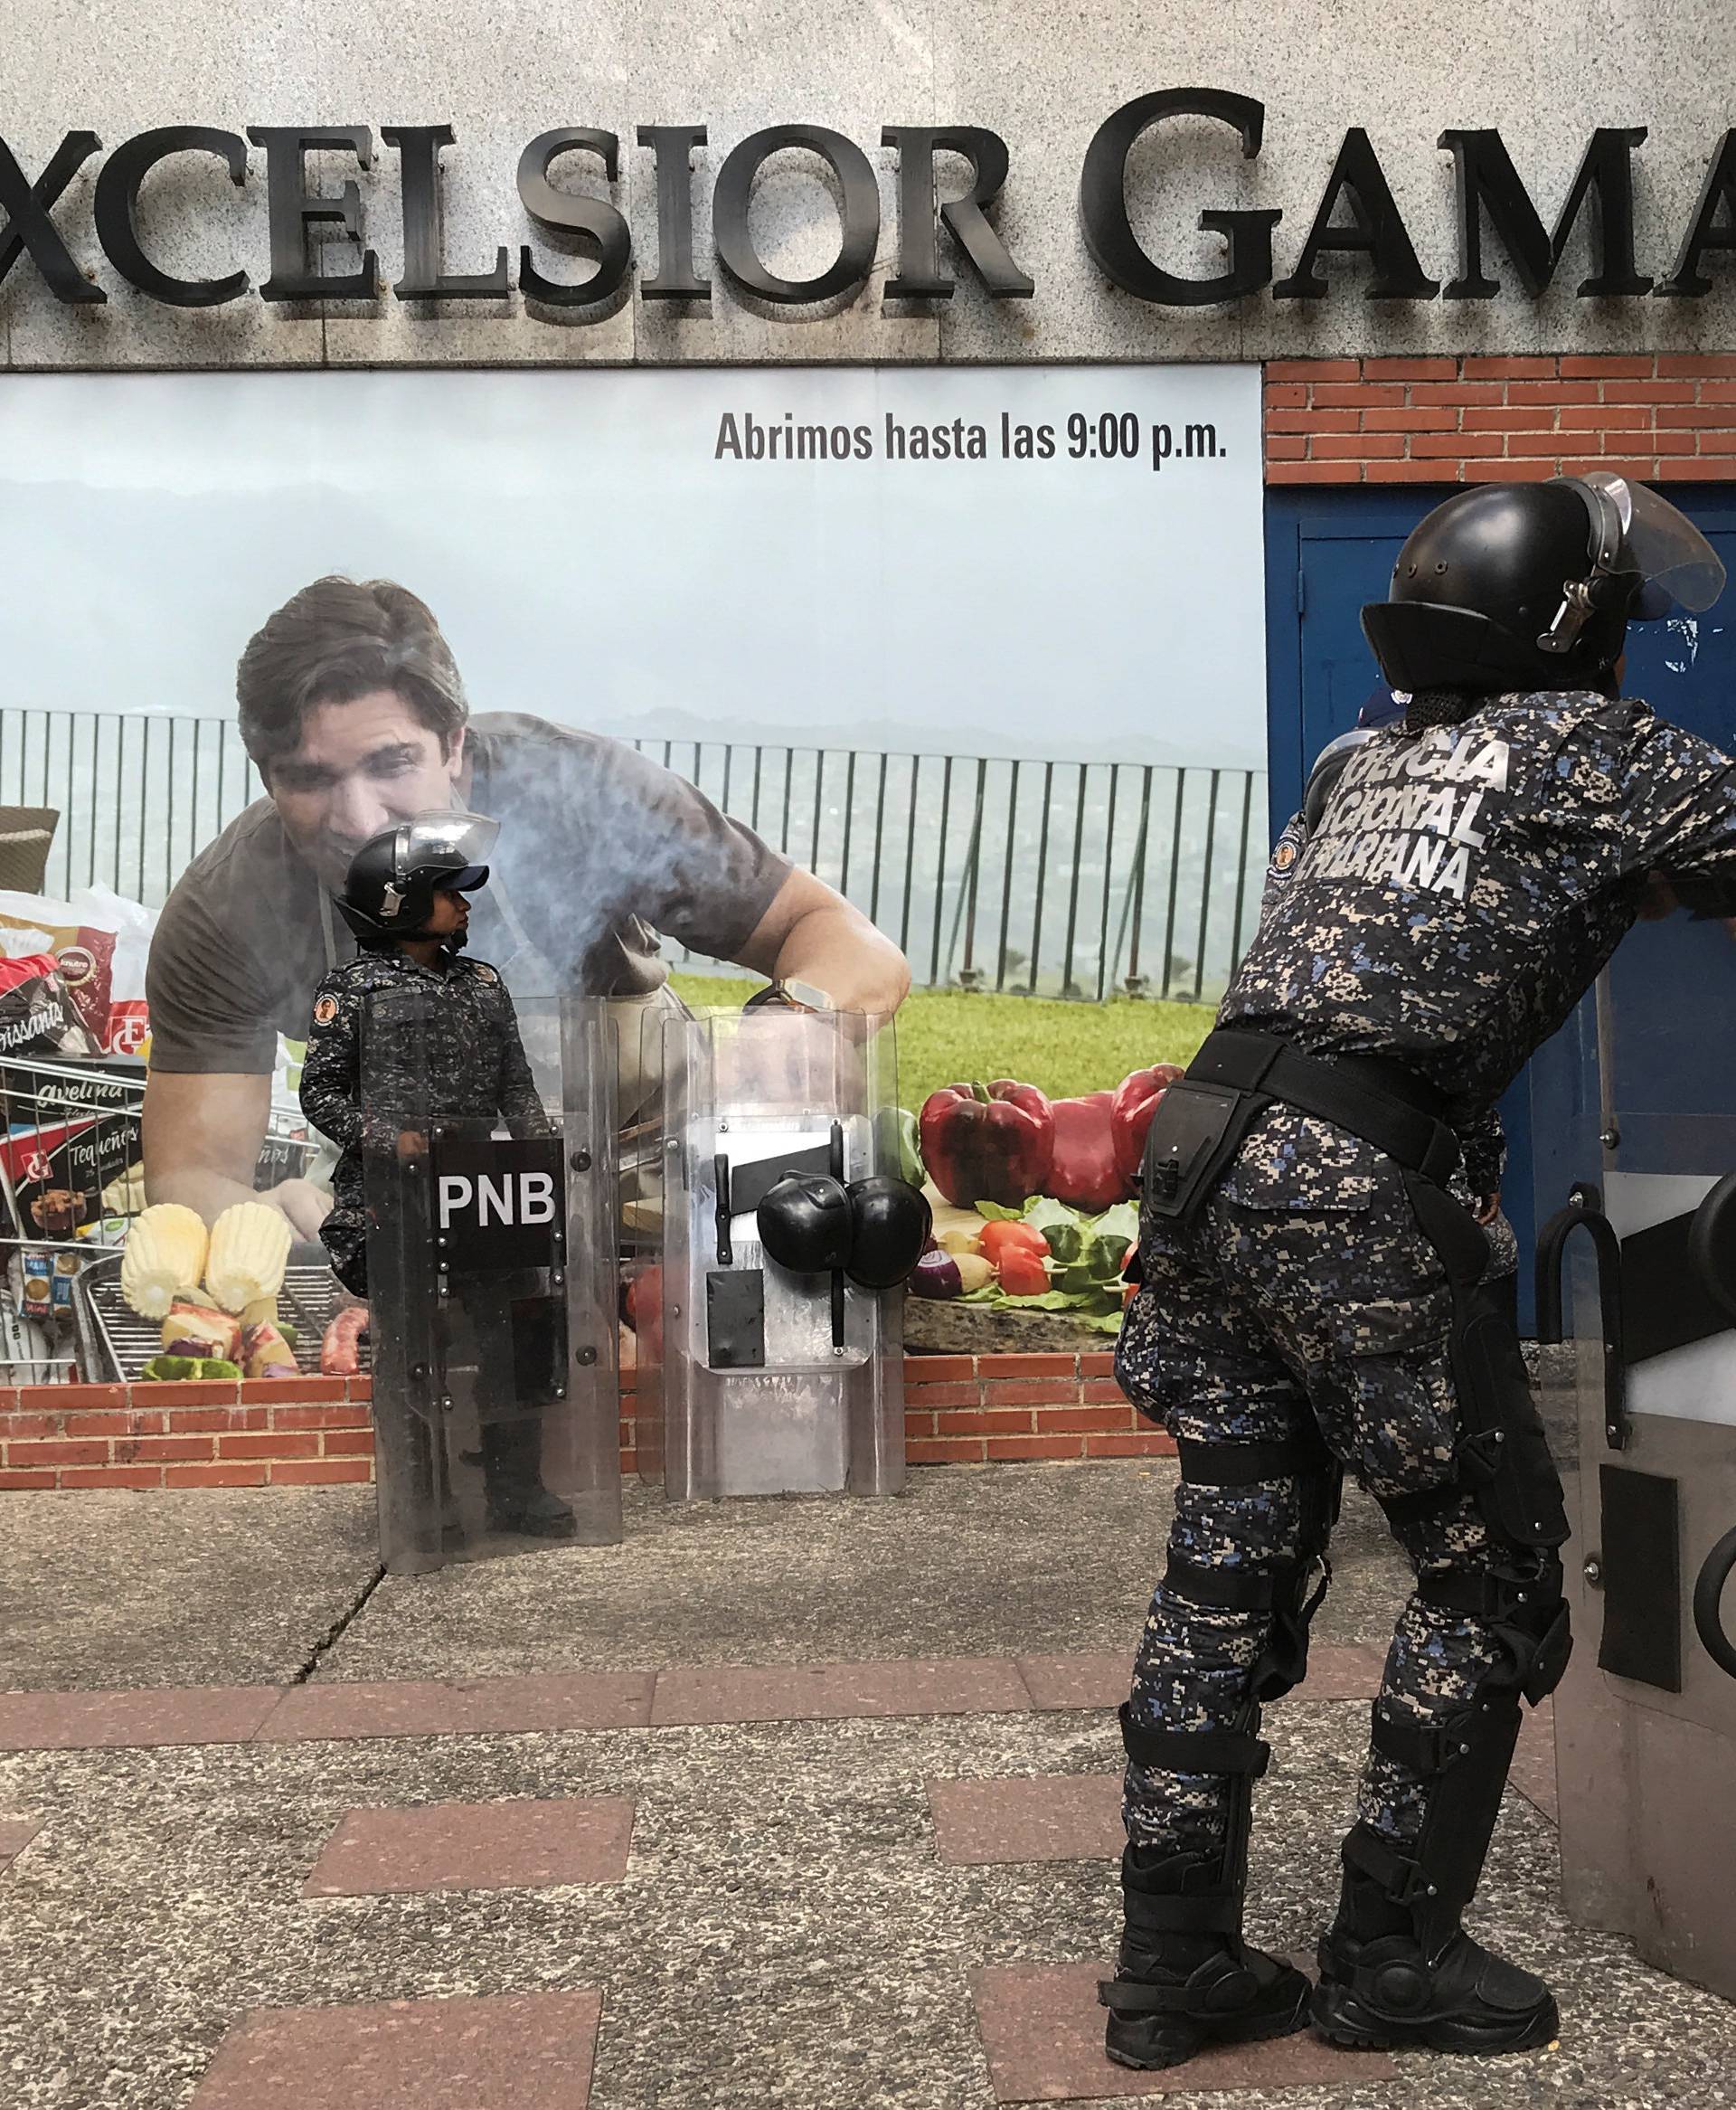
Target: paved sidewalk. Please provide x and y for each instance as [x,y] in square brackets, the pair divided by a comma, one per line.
[601,1829]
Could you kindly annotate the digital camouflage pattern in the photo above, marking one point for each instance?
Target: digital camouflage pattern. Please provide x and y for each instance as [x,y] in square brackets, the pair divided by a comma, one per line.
[1467,882]
[455,1056]
[1303,1294]
[1482,1142]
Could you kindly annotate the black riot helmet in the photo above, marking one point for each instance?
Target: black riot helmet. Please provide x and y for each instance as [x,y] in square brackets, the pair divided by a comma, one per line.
[805,1223]
[390,887]
[1513,586]
[890,1224]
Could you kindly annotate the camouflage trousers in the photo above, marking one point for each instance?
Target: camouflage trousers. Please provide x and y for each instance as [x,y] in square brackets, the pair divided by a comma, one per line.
[1302,1296]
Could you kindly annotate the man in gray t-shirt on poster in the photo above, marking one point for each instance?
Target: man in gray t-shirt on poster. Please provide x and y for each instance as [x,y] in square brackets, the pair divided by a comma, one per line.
[352,708]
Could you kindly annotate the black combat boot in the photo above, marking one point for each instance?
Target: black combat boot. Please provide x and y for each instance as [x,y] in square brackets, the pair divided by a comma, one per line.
[1186,1979]
[513,1480]
[1389,1980]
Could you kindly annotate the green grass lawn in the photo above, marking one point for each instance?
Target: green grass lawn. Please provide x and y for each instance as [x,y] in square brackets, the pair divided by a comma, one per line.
[946,1036]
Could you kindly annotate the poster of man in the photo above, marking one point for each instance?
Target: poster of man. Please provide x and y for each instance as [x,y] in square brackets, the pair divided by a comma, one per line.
[353,708]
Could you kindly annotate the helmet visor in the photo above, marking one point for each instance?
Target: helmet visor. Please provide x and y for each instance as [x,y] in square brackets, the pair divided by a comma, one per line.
[459,841]
[1679,571]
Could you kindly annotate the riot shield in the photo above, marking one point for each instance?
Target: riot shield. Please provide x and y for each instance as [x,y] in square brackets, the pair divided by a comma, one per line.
[492,1282]
[1634,1115]
[774,1379]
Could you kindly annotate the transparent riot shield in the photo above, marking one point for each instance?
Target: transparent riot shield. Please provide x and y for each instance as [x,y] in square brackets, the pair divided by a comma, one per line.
[773,1381]
[492,1280]
[1634,1108]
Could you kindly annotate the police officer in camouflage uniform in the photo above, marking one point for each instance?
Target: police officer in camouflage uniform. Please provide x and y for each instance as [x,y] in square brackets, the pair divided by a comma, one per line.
[1311,1299]
[404,899]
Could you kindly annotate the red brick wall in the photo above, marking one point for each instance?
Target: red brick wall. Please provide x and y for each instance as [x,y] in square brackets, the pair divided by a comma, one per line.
[971,1410]
[1658,416]
[304,1432]
[316,1432]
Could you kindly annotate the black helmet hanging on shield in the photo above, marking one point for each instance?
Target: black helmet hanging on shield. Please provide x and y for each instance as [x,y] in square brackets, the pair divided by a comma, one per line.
[1532,586]
[390,887]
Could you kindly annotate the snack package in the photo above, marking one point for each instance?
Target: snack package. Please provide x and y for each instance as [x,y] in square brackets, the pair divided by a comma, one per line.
[83,952]
[67,1136]
[127,1030]
[39,1284]
[39,1016]
[100,941]
[66,1269]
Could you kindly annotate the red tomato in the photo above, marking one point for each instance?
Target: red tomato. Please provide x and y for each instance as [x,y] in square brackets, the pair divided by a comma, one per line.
[1022,1271]
[999,1238]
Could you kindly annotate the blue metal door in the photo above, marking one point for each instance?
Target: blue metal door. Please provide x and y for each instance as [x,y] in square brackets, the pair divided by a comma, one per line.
[1327,554]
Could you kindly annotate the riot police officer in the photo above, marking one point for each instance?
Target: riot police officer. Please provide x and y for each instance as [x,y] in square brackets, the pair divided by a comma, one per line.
[404,897]
[1310,1301]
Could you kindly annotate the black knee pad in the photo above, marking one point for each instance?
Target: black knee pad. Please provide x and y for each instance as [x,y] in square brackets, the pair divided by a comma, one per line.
[1524,1604]
[1288,1593]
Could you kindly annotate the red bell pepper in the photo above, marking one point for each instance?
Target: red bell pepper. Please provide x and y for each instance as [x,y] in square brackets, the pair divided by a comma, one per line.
[988,1142]
[1083,1172]
[1136,1099]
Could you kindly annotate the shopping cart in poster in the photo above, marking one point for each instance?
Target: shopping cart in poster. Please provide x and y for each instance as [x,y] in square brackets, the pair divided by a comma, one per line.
[71,1184]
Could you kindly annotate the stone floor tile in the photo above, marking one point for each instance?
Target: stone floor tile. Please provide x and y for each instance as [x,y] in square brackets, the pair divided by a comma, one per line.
[1065,1817]
[529,2051]
[520,1845]
[15,1835]
[814,1692]
[1042,2033]
[1336,1670]
[1076,1682]
[149,1715]
[590,1699]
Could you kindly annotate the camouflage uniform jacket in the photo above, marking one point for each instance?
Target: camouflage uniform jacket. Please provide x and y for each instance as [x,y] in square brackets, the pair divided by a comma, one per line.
[470,1067]
[1482,1142]
[1468,882]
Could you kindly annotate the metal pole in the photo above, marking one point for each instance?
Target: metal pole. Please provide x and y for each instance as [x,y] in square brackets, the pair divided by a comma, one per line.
[910,856]
[1174,879]
[1205,889]
[968,886]
[1042,871]
[1006,875]
[849,822]
[146,773]
[879,843]
[819,796]
[940,872]
[1241,863]
[1133,901]
[1108,858]
[1068,985]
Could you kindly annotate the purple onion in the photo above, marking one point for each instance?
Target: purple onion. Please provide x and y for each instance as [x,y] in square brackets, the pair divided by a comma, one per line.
[936,1275]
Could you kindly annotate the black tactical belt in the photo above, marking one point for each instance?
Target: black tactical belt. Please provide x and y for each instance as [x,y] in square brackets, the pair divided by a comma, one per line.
[1376,1100]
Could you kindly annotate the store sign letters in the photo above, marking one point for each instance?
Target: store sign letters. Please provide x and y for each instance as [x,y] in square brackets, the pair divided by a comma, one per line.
[1357,214]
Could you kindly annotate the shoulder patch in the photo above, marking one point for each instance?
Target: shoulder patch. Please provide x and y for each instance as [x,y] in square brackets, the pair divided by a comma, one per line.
[484,971]
[326,1010]
[1284,857]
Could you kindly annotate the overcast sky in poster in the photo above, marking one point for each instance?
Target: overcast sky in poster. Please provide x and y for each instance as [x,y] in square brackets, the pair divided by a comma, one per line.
[591,560]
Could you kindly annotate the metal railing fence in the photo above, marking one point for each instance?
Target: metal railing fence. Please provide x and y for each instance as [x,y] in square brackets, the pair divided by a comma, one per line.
[1077,879]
